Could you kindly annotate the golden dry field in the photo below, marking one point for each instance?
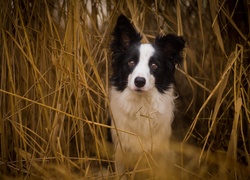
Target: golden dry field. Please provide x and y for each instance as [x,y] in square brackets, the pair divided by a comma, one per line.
[54,84]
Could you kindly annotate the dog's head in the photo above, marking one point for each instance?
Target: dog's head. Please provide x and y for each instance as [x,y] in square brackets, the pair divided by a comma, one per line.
[142,67]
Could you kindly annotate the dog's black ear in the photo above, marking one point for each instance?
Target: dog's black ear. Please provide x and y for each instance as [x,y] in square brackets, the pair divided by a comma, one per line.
[124,34]
[172,46]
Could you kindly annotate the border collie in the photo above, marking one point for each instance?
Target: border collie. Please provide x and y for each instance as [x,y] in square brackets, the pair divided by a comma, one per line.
[142,96]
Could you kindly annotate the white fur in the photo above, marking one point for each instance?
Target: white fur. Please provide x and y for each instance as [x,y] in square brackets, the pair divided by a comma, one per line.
[143,123]
[142,69]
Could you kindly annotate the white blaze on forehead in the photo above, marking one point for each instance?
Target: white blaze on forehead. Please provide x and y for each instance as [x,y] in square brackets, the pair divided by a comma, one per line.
[146,52]
[142,69]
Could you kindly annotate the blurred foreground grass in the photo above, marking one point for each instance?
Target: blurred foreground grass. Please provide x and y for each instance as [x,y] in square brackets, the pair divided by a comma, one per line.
[54,86]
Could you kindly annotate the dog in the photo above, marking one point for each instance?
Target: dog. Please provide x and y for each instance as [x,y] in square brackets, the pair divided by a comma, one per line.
[142,97]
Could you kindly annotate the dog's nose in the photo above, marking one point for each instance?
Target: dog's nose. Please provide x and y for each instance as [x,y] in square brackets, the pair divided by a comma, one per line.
[140,82]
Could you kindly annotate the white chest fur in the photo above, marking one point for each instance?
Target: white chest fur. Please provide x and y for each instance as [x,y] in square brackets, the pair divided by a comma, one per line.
[143,120]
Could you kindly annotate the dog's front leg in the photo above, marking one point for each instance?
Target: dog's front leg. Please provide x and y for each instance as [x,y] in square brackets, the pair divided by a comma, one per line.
[121,164]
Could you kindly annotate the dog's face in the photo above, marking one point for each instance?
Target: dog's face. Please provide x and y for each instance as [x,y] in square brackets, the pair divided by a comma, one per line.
[142,67]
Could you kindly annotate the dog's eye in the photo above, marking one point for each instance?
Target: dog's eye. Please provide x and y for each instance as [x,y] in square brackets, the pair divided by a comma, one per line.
[131,63]
[153,66]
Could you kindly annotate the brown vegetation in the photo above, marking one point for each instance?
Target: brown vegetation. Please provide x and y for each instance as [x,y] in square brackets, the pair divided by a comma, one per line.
[54,85]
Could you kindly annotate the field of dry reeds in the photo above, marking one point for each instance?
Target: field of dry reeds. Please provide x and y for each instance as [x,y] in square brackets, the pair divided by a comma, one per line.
[54,74]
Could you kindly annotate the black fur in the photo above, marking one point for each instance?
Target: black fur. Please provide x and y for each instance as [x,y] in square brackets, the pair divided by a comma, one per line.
[125,47]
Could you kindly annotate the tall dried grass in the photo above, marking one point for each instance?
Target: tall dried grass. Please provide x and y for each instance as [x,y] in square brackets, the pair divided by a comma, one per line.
[54,86]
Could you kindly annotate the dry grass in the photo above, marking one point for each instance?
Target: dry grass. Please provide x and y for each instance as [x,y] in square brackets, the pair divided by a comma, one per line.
[54,86]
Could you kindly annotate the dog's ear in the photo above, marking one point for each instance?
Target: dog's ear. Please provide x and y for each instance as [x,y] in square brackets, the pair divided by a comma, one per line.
[124,34]
[171,46]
